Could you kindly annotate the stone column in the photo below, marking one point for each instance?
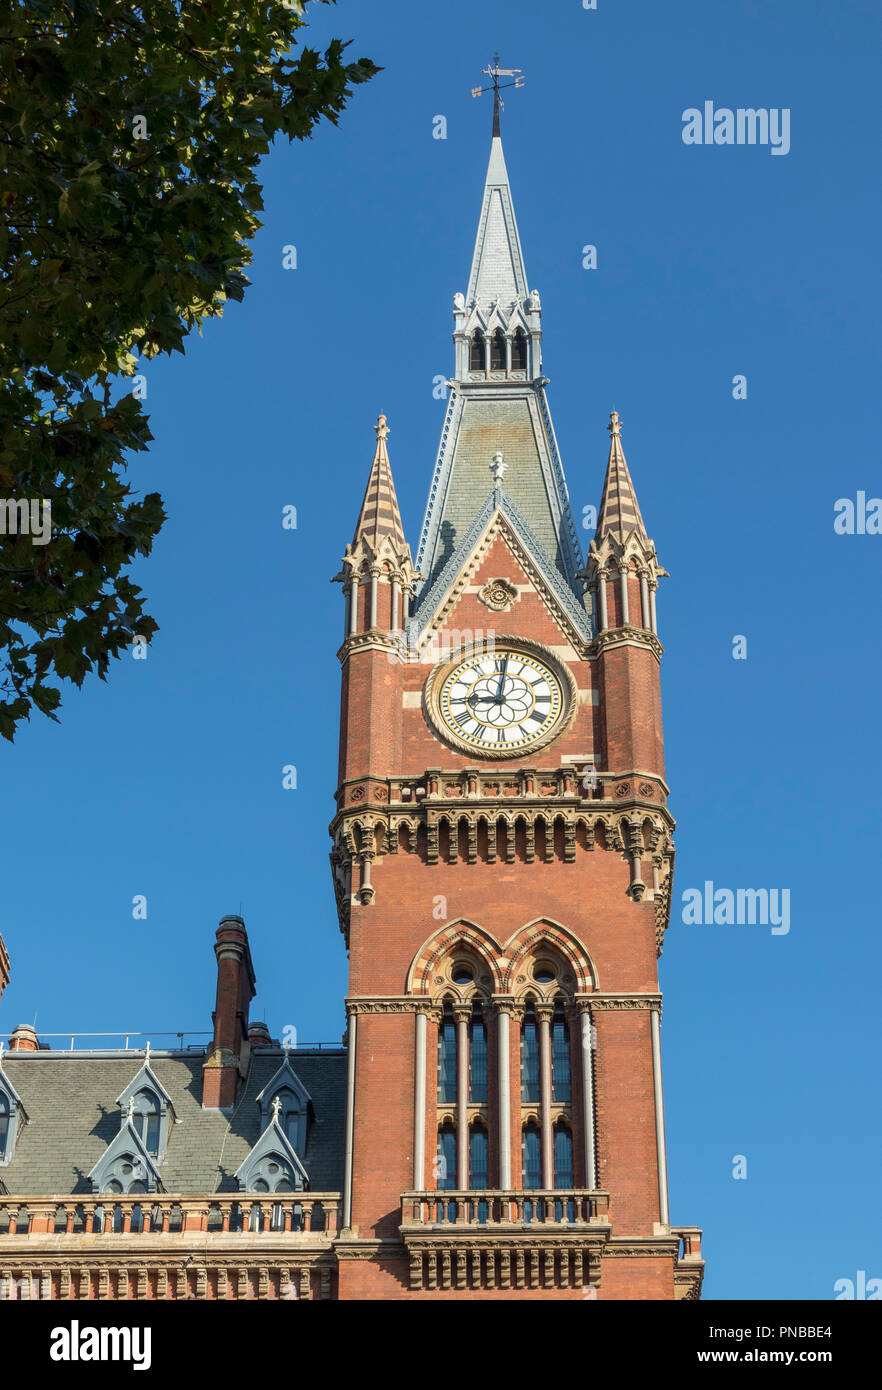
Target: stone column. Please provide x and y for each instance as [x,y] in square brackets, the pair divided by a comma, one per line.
[646,617]
[396,604]
[372,621]
[461,1015]
[664,1216]
[350,1121]
[623,581]
[544,1014]
[652,619]
[419,1108]
[353,605]
[603,623]
[587,1041]
[503,1045]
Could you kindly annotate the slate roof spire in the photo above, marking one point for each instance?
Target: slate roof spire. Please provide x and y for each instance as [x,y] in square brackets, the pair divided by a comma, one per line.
[497,274]
[497,399]
[619,513]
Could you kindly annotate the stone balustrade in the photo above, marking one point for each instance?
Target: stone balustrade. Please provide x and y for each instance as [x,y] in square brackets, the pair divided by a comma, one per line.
[160,1213]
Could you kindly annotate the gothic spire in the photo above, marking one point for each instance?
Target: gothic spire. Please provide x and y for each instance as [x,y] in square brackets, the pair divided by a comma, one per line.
[619,513]
[497,275]
[497,397]
[379,515]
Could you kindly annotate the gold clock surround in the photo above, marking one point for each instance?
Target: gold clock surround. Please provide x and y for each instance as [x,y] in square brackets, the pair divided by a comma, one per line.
[502,643]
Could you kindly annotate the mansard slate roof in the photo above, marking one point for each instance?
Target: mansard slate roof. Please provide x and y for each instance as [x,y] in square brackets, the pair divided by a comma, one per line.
[70,1101]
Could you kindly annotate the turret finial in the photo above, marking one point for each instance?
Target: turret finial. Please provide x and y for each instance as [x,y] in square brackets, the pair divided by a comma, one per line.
[276,1107]
[498,467]
[381,427]
[615,425]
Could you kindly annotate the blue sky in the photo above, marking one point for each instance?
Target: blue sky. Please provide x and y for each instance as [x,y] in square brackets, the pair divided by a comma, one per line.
[712,262]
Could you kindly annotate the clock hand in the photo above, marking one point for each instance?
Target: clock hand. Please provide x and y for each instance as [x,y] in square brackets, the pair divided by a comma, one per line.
[502,675]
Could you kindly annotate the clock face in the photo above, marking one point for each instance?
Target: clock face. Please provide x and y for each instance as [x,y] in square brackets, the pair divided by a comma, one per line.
[500,702]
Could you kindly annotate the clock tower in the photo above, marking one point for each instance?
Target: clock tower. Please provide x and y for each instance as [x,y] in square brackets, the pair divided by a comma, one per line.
[502,852]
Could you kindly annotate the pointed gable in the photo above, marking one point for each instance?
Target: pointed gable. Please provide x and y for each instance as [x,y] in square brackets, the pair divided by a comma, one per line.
[500,515]
[145,1079]
[124,1162]
[272,1150]
[285,1078]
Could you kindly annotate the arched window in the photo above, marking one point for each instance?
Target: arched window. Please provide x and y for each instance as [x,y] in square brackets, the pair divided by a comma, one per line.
[497,351]
[519,351]
[561,1086]
[4,1124]
[563,1157]
[145,1118]
[530,1058]
[477,1058]
[563,1171]
[292,1119]
[531,1153]
[447,1158]
[447,1057]
[479,1168]
[476,352]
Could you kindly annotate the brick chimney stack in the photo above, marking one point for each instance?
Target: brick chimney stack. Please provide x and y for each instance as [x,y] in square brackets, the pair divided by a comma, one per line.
[24,1039]
[228,1056]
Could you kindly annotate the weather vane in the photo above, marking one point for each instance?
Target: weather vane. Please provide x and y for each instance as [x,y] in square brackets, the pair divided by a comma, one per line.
[496,87]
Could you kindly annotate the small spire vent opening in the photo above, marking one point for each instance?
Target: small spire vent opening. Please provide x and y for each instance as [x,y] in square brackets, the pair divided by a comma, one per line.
[519,351]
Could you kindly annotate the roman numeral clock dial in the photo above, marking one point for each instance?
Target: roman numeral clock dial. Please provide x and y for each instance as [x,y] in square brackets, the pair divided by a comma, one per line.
[500,703]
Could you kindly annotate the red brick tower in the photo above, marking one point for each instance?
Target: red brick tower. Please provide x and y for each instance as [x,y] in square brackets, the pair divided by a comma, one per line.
[502,853]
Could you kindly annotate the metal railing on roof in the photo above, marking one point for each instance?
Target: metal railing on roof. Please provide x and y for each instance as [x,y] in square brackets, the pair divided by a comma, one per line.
[155,1041]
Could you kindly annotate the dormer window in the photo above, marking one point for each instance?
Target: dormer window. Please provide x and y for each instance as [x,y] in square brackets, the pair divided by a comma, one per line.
[476,352]
[273,1164]
[146,1113]
[519,351]
[286,1099]
[497,351]
[125,1167]
[146,1106]
[12,1117]
[292,1120]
